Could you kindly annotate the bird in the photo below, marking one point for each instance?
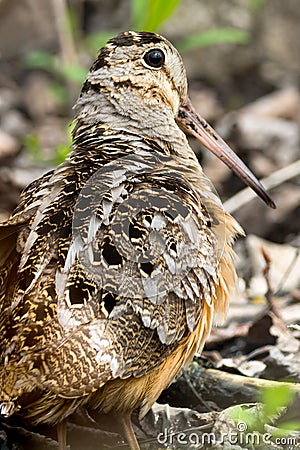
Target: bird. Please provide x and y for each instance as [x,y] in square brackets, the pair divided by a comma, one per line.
[114,264]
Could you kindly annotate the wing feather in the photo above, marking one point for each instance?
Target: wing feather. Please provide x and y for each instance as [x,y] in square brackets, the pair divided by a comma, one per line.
[118,271]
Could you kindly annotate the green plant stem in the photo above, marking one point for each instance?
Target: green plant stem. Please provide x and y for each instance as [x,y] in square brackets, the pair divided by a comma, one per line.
[69,55]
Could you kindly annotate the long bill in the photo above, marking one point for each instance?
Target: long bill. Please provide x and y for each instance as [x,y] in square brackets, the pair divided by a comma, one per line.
[191,122]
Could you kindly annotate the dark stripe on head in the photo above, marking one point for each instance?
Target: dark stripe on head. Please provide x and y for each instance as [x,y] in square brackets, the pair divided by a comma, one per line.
[123,40]
[149,38]
[130,38]
[101,60]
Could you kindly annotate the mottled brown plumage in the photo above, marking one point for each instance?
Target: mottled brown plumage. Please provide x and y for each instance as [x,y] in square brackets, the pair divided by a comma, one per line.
[114,263]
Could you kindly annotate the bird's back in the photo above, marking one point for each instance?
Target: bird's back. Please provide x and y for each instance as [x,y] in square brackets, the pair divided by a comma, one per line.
[111,270]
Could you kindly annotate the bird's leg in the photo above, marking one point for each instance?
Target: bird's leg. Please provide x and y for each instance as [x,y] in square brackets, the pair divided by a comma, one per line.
[62,435]
[125,422]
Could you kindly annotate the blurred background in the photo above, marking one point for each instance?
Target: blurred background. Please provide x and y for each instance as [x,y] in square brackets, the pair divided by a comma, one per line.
[242,61]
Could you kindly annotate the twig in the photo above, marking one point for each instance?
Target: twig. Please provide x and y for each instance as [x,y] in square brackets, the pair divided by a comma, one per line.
[221,387]
[266,273]
[275,179]
[270,291]
[66,40]
[237,383]
[194,390]
[288,270]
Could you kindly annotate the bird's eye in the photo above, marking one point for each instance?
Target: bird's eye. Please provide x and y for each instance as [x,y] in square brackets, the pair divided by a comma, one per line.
[154,58]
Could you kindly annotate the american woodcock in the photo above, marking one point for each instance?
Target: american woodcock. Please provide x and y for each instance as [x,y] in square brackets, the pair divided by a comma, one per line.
[113,264]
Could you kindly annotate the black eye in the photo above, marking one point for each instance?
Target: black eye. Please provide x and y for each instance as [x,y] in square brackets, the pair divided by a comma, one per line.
[154,58]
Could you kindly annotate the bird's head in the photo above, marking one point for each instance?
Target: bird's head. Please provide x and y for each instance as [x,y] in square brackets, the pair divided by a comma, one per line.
[138,77]
[138,83]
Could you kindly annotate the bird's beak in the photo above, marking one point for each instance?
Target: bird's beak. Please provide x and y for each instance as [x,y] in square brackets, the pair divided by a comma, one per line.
[192,123]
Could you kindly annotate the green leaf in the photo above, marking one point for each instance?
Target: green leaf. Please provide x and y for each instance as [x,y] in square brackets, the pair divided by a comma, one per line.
[32,143]
[243,414]
[59,92]
[94,41]
[290,426]
[72,21]
[73,72]
[70,129]
[46,61]
[274,398]
[138,14]
[61,152]
[256,5]
[212,37]
[40,60]
[158,12]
